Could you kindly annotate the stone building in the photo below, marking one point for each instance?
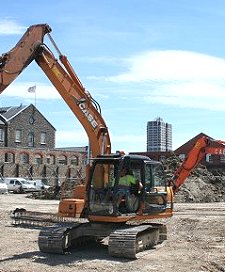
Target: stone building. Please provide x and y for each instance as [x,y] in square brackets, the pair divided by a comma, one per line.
[27,148]
[25,126]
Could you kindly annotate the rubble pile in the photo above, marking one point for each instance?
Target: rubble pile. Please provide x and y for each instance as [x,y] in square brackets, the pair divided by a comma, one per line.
[52,192]
[202,185]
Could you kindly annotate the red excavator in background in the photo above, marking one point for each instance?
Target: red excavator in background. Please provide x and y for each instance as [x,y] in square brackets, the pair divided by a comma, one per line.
[93,211]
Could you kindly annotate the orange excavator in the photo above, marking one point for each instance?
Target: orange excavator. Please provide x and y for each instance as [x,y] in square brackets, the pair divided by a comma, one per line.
[93,211]
[204,145]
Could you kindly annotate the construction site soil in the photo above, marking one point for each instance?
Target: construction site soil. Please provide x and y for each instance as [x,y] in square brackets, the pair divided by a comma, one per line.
[196,239]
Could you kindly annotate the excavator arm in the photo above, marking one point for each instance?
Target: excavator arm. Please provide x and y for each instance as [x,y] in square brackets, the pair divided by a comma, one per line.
[203,146]
[80,102]
[85,108]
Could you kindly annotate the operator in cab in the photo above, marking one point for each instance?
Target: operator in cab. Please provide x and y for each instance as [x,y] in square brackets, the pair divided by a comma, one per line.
[126,181]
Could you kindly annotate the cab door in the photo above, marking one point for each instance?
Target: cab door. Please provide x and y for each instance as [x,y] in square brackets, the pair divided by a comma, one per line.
[155,193]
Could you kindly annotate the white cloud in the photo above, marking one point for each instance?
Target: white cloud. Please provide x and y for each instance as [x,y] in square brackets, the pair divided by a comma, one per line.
[43,91]
[181,78]
[10,27]
[201,95]
[172,65]
[178,78]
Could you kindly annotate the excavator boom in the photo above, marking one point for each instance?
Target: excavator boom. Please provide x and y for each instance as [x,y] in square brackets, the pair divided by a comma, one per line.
[203,146]
[85,108]
[78,99]
[191,161]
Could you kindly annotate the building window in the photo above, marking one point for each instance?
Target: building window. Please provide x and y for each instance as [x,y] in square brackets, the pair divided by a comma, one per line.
[182,157]
[43,137]
[24,158]
[62,160]
[222,158]
[209,158]
[31,139]
[74,160]
[9,157]
[2,134]
[38,159]
[18,135]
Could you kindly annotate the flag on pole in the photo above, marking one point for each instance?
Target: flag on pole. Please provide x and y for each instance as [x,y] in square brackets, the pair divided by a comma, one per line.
[32,89]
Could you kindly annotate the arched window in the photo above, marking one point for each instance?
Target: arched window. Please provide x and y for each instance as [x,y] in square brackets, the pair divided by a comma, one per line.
[43,138]
[74,160]
[38,159]
[2,135]
[10,157]
[31,139]
[24,158]
[62,160]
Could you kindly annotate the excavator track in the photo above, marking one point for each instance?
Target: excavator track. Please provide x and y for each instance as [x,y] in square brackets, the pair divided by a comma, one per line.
[59,234]
[128,242]
[56,239]
[125,242]
[59,238]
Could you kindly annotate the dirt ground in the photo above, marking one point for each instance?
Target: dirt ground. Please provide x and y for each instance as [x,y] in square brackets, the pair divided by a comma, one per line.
[196,242]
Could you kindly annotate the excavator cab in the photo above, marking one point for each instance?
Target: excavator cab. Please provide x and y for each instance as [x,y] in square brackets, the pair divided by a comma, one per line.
[103,188]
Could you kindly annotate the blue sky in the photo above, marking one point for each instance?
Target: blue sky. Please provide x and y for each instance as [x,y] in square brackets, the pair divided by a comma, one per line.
[140,59]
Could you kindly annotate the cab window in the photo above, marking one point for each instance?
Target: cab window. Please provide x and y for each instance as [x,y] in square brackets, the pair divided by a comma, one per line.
[158,175]
[154,176]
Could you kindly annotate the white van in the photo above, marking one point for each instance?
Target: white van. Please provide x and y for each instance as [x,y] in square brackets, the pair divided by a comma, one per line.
[3,187]
[19,185]
[39,184]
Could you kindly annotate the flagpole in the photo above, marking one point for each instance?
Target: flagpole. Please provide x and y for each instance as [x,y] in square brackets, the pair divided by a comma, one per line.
[35,97]
[32,89]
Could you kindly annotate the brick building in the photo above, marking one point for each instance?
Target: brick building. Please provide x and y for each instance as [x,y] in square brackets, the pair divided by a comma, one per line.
[209,160]
[27,148]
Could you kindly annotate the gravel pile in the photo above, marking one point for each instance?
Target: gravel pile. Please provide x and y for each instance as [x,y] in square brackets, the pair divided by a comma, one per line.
[201,186]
